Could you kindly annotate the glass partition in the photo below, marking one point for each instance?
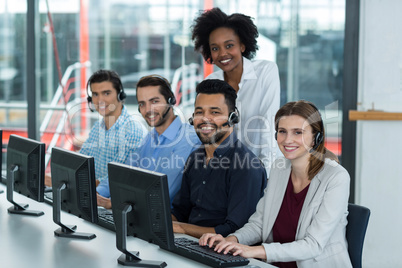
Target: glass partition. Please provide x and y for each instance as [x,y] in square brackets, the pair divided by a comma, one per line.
[13,102]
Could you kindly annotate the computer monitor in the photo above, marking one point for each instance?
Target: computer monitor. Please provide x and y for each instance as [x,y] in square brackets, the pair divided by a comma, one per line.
[141,207]
[25,172]
[74,190]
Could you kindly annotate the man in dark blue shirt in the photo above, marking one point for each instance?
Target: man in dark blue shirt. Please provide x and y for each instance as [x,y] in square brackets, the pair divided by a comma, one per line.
[223,180]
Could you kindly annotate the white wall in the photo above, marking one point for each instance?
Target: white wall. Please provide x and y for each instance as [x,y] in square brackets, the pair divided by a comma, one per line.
[379,143]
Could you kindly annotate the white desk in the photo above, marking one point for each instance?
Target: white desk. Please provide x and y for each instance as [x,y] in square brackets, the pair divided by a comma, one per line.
[27,241]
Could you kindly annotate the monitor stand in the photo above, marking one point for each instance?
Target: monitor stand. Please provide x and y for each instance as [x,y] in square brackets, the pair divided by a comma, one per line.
[18,208]
[65,230]
[130,258]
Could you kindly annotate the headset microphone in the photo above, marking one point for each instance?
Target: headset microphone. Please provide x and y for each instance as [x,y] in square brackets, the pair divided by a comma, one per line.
[165,113]
[170,102]
[226,124]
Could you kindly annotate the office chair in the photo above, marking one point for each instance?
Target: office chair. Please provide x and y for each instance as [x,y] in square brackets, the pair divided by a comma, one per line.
[355,232]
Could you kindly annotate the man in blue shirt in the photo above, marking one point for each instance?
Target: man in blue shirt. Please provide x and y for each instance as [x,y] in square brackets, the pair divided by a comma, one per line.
[115,135]
[167,146]
[223,180]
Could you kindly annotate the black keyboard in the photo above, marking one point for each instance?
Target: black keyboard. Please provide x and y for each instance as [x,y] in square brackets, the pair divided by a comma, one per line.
[105,219]
[49,197]
[192,250]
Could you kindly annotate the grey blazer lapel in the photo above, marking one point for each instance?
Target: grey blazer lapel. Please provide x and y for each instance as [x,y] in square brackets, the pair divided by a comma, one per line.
[277,195]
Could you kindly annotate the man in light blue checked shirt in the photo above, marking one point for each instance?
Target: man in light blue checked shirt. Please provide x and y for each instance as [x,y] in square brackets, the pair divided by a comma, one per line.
[167,146]
[116,134]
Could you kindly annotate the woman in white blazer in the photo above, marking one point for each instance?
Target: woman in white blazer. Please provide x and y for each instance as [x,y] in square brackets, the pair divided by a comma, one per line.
[301,220]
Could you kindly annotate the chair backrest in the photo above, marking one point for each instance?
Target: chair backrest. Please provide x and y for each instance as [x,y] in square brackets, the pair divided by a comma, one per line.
[355,232]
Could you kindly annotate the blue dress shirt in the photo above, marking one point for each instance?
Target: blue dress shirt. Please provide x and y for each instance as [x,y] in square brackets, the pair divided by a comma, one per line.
[223,193]
[114,144]
[167,153]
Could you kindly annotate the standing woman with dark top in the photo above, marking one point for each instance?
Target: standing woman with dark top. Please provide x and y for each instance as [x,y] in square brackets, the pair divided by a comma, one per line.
[230,42]
[301,220]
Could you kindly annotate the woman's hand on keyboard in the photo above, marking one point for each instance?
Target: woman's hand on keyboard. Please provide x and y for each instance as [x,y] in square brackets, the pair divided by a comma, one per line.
[230,245]
[211,239]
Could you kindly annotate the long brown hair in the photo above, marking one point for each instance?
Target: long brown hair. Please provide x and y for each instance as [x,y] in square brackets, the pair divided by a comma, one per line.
[309,111]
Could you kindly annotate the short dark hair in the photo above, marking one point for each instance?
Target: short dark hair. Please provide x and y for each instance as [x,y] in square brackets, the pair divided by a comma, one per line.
[102,75]
[216,86]
[214,18]
[156,80]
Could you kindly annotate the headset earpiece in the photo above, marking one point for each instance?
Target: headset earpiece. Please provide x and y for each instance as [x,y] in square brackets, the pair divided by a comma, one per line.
[233,118]
[89,99]
[318,139]
[172,100]
[191,120]
[122,95]
[319,136]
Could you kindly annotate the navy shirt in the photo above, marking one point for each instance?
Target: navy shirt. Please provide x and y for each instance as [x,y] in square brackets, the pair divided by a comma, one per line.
[223,193]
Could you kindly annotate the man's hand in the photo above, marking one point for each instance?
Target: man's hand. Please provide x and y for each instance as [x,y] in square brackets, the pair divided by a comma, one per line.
[191,229]
[103,201]
[48,180]
[178,227]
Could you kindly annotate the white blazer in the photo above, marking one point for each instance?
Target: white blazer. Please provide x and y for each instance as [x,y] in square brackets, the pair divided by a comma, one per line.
[320,236]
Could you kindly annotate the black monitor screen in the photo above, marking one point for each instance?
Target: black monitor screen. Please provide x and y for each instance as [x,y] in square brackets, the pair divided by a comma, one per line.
[73,185]
[144,196]
[25,169]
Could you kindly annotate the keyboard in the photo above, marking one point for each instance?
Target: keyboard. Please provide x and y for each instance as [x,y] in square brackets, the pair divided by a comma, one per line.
[192,250]
[105,219]
[49,197]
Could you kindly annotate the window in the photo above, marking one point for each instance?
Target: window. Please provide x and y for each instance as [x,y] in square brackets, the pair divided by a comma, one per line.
[135,38]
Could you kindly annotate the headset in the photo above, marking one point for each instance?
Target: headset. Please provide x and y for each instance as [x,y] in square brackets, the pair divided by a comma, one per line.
[233,118]
[111,74]
[319,136]
[171,101]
